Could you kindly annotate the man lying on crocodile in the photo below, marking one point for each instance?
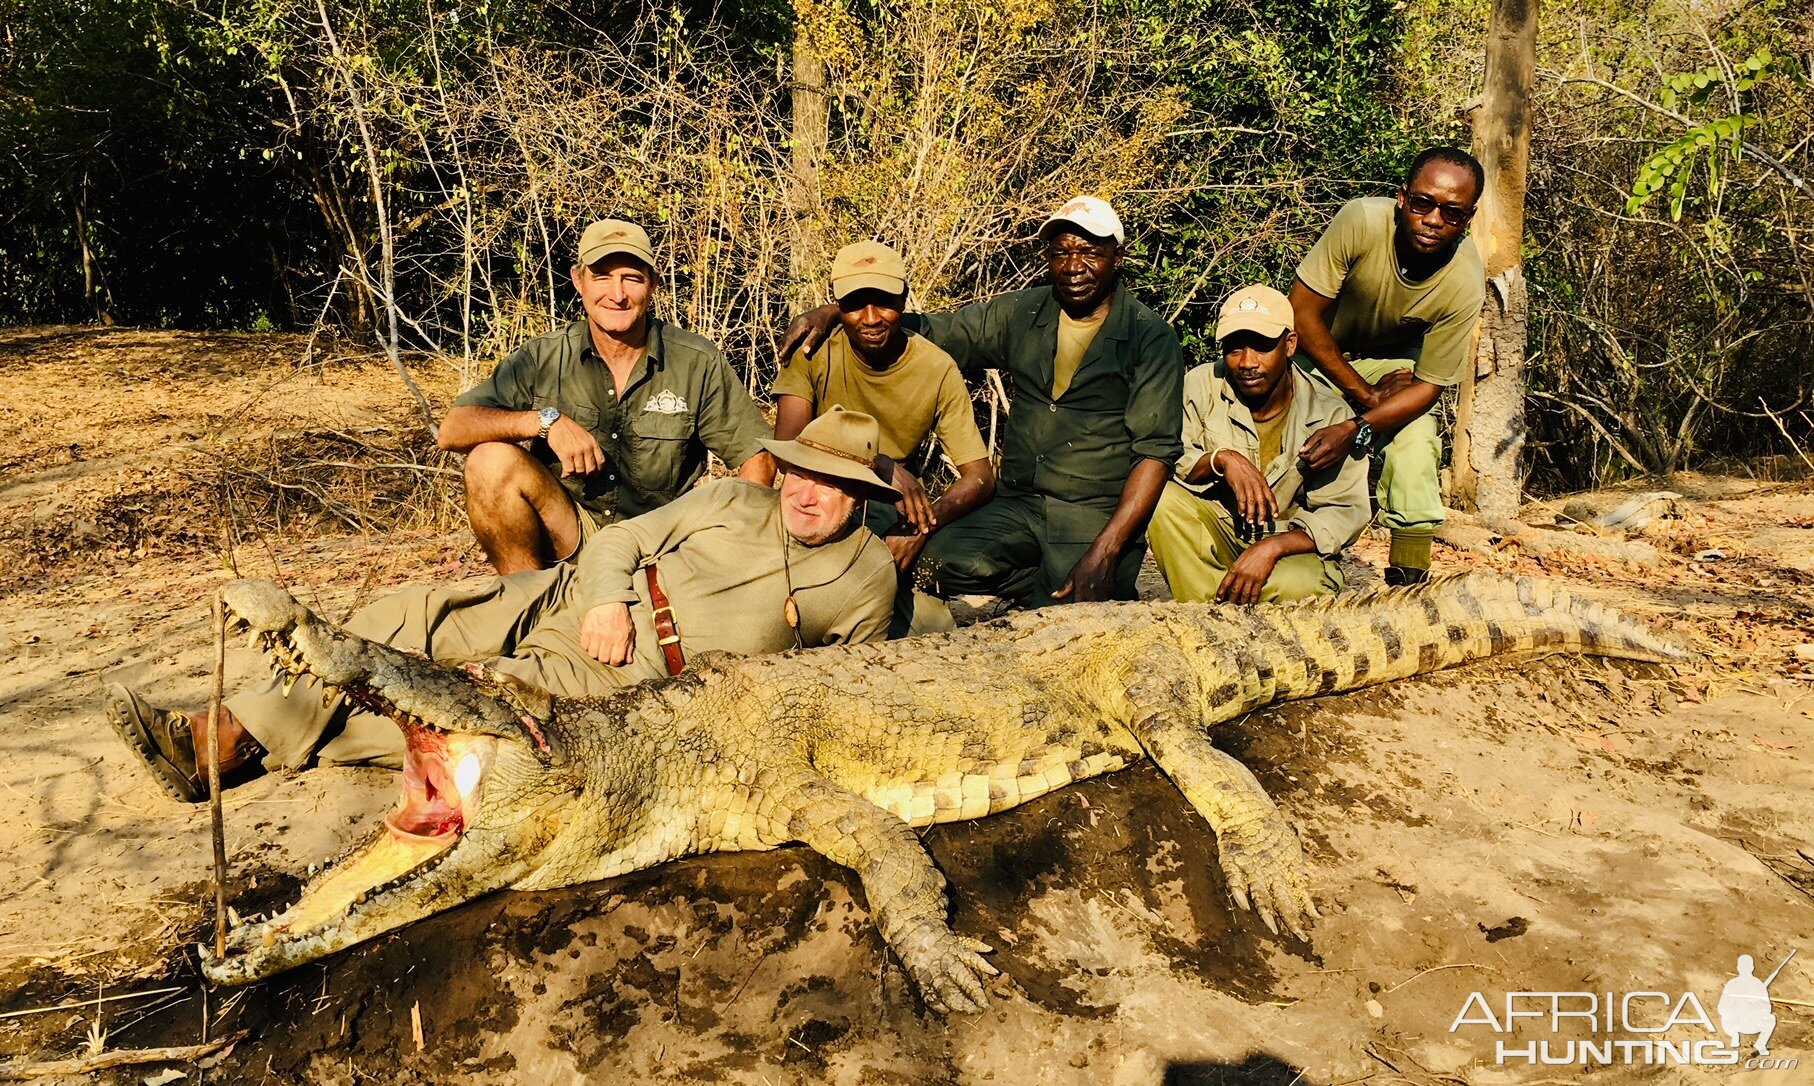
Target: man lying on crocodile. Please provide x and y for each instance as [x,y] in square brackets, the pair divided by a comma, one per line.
[729,567]
[847,749]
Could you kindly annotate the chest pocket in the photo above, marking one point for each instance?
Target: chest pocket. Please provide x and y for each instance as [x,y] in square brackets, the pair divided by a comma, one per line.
[658,445]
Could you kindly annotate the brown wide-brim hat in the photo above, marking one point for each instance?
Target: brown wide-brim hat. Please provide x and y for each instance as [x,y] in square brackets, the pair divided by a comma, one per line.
[841,444]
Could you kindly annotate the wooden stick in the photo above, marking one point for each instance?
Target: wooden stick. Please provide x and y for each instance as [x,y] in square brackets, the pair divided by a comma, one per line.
[123,1058]
[212,745]
[83,1004]
[1785,432]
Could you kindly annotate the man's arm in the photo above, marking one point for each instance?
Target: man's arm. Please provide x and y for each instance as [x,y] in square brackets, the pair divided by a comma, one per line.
[469,426]
[1405,398]
[974,487]
[730,424]
[792,413]
[1311,313]
[1093,577]
[1253,567]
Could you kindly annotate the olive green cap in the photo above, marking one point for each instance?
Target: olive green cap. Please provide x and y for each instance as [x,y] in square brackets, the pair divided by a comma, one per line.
[608,237]
[867,265]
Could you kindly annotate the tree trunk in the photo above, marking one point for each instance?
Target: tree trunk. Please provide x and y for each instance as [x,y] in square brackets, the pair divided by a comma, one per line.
[812,133]
[1489,425]
[94,280]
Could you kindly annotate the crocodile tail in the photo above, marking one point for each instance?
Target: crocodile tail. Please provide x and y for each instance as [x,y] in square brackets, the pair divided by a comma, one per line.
[1390,633]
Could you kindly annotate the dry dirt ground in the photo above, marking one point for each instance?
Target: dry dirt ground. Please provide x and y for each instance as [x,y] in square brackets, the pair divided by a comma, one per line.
[1559,826]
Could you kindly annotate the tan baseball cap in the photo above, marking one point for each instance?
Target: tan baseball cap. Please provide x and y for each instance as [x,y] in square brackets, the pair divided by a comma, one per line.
[607,237]
[867,265]
[841,444]
[1091,215]
[1255,308]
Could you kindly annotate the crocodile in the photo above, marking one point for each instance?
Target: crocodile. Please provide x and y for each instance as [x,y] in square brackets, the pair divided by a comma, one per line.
[849,749]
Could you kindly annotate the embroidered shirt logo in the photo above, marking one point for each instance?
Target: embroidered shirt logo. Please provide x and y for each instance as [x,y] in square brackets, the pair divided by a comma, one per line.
[667,403]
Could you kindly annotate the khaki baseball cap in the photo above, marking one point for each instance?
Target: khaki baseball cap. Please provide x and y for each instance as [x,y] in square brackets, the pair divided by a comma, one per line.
[608,237]
[841,444]
[867,265]
[1091,215]
[1255,308]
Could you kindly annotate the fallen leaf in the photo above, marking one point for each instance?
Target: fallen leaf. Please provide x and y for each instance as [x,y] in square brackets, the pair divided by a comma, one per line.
[1374,1009]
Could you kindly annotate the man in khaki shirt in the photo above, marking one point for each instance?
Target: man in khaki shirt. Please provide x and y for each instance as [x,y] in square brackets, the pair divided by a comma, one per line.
[1386,303]
[746,569]
[607,418]
[871,363]
[1243,521]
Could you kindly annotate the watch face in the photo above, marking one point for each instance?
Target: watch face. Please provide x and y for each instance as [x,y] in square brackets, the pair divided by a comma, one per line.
[550,416]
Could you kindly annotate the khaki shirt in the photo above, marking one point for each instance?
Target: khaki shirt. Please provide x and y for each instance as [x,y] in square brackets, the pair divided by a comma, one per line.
[1120,407]
[1381,314]
[921,393]
[1331,505]
[681,400]
[719,553]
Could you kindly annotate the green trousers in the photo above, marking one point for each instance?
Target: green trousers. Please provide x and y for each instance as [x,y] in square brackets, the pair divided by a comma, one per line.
[1194,544]
[1409,495]
[915,612]
[1023,547]
[518,625]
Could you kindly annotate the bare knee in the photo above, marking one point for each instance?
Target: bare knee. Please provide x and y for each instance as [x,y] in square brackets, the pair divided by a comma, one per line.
[497,468]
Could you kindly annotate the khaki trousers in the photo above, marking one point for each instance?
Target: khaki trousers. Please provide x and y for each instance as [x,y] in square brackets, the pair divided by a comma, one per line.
[1194,544]
[518,625]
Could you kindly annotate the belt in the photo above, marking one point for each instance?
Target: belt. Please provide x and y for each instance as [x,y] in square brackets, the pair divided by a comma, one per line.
[666,634]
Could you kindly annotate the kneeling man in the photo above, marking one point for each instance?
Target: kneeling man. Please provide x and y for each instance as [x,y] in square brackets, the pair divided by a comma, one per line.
[733,567]
[1244,520]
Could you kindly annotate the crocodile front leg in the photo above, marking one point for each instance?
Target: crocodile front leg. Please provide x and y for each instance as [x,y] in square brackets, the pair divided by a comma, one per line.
[906,892]
[1260,854]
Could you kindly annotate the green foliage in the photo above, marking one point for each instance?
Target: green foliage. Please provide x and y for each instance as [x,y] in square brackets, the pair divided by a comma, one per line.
[1670,169]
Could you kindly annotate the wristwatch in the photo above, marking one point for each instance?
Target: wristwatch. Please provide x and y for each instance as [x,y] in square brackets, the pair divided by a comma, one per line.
[549,416]
[1363,435]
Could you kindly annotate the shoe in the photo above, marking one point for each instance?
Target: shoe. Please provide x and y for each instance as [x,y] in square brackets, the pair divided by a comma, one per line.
[163,740]
[1398,576]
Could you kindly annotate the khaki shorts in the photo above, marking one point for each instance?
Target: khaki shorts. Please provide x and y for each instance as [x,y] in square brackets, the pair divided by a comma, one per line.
[588,527]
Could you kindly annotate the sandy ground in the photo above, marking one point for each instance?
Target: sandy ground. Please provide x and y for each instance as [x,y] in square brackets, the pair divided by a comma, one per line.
[1560,826]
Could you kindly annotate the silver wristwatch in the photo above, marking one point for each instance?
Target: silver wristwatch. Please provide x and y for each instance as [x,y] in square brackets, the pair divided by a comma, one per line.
[549,416]
[1363,435]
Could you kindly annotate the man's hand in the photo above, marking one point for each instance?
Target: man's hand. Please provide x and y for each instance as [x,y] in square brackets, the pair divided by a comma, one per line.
[1254,500]
[906,549]
[607,635]
[1329,445]
[915,508]
[579,451]
[808,330]
[1390,385]
[1092,578]
[1248,575]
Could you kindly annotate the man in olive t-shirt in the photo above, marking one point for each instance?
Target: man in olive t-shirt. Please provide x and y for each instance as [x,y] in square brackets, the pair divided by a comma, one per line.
[1386,305]
[618,409]
[871,364]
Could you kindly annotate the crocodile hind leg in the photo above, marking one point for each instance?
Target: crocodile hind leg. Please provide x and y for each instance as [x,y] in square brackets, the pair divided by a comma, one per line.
[1260,854]
[906,892]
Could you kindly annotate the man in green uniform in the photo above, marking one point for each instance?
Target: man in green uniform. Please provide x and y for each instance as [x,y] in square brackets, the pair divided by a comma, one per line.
[1387,302]
[618,408]
[1098,382]
[745,569]
[871,364]
[1242,522]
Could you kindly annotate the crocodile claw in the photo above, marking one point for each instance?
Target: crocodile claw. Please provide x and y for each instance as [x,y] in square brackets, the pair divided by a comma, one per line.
[1264,866]
[947,968]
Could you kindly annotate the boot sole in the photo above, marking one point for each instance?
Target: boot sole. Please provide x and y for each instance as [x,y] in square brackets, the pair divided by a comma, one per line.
[173,780]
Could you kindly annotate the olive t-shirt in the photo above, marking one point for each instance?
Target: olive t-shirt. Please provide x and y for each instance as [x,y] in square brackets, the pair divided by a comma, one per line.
[1381,314]
[920,394]
[1074,339]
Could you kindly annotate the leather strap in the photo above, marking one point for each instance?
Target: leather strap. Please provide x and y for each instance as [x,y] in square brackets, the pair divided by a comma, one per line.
[666,634]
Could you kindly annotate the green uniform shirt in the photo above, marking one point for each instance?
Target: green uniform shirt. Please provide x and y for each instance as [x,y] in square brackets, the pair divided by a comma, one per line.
[1381,314]
[681,400]
[720,554]
[1331,505]
[1123,404]
[921,393]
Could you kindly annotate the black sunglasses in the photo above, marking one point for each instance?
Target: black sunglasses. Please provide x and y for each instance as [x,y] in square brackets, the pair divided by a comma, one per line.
[1422,205]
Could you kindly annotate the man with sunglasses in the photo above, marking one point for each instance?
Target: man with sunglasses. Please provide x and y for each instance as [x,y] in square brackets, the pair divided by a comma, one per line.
[1386,304]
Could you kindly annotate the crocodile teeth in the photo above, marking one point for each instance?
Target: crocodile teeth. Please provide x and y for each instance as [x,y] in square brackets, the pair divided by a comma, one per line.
[252,640]
[289,682]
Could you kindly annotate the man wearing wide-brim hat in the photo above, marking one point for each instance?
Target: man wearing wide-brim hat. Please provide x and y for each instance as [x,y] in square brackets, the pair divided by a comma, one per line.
[729,567]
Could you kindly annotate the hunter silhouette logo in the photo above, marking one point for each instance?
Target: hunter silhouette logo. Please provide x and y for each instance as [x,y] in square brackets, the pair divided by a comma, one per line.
[1744,1005]
[667,403]
[1643,1028]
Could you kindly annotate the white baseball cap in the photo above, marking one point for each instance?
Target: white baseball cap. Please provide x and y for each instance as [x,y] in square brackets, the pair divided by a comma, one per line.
[1090,214]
